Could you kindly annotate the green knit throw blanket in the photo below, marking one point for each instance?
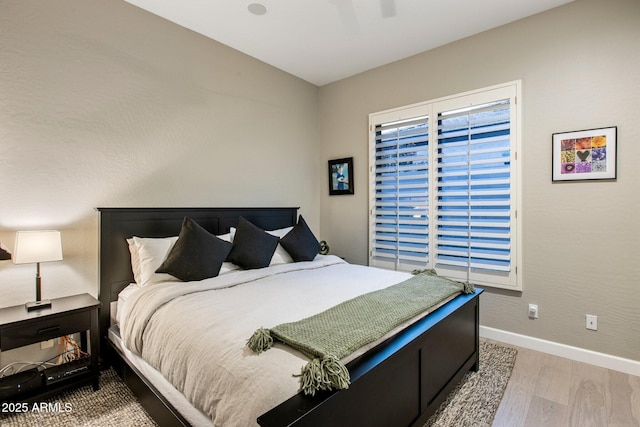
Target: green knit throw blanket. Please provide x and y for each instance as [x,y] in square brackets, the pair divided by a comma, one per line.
[331,335]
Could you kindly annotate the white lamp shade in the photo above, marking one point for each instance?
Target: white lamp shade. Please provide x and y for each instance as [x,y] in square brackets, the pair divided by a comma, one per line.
[37,246]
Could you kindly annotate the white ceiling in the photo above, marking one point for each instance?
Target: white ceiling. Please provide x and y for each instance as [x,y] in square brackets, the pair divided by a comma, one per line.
[322,41]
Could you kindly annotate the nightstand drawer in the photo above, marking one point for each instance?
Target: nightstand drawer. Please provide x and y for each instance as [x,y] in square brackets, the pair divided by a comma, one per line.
[44,329]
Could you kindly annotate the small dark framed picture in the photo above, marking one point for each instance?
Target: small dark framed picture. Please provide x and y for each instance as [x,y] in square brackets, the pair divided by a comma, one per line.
[585,154]
[341,176]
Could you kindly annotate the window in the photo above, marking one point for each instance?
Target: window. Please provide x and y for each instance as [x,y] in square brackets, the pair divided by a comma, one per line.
[445,187]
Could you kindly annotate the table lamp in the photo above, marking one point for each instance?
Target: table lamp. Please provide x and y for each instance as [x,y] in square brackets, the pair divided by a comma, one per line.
[37,246]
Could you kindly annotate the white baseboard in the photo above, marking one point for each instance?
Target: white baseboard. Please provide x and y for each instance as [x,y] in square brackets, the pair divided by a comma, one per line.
[603,360]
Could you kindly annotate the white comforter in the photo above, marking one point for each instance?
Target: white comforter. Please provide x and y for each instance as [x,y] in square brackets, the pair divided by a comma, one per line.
[194,333]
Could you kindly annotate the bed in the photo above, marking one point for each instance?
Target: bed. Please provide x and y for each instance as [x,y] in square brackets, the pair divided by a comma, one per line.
[401,380]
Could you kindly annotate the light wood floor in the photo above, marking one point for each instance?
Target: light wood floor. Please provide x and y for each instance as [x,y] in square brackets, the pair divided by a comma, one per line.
[546,390]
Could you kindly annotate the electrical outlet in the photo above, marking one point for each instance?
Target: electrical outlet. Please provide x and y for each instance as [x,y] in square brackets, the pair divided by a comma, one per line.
[46,344]
[533,311]
[592,322]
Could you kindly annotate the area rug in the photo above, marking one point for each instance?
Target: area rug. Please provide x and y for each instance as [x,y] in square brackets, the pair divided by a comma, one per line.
[112,405]
[474,402]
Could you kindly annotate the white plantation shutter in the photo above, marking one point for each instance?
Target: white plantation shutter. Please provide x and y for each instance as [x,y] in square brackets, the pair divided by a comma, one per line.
[401,175]
[444,187]
[473,200]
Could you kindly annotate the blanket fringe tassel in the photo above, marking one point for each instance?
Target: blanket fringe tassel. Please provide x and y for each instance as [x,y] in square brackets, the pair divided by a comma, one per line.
[327,373]
[260,341]
[468,288]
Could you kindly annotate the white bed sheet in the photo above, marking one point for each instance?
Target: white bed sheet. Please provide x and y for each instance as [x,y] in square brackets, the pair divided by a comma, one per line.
[122,298]
[232,389]
[193,416]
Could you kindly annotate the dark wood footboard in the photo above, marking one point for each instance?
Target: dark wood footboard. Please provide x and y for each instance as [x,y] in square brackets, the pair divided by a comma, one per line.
[402,381]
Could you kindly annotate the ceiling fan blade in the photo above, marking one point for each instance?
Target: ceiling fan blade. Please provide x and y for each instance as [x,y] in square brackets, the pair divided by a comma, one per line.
[388,8]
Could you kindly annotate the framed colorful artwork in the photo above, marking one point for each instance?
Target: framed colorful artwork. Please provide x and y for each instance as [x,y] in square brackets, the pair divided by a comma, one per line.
[585,154]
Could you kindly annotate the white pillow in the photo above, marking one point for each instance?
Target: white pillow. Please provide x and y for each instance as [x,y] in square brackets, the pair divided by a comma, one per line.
[151,254]
[227,266]
[280,256]
[135,260]
[280,232]
[226,237]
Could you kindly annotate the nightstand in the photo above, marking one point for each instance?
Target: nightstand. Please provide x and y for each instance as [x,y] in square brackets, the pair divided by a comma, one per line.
[68,315]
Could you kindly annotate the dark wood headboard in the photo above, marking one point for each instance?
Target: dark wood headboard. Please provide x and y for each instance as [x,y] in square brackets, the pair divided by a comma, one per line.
[118,224]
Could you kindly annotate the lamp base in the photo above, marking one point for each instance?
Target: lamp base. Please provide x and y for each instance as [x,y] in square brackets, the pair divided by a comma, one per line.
[38,305]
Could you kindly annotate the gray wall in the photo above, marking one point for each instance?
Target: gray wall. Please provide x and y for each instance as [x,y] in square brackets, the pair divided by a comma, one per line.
[103,104]
[579,68]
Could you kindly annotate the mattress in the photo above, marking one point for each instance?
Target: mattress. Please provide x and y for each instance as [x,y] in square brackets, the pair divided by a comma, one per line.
[191,344]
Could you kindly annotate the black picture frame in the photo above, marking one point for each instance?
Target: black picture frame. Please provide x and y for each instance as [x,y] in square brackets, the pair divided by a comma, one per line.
[585,155]
[341,176]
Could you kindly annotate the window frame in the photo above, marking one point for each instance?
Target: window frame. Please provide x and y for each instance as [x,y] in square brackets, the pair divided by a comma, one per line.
[510,90]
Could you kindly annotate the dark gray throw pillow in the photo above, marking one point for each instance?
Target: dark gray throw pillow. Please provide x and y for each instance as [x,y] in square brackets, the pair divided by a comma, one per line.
[300,242]
[252,246]
[196,255]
